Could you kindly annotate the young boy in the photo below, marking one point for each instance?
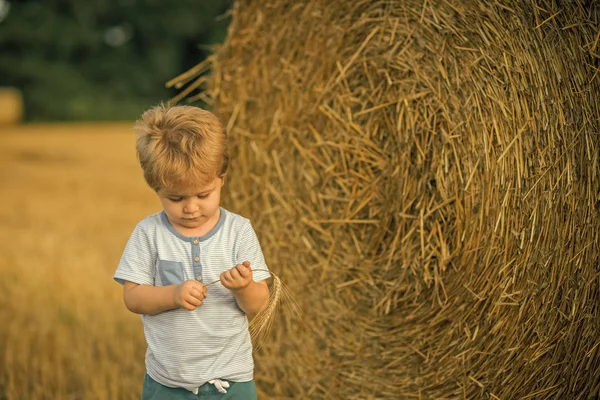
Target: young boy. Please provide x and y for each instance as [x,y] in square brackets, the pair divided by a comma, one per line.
[198,340]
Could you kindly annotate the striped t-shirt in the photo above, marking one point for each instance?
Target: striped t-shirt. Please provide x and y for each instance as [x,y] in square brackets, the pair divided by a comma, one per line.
[188,348]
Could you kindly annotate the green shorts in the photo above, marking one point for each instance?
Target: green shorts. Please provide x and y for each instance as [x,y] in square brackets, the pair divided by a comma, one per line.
[153,390]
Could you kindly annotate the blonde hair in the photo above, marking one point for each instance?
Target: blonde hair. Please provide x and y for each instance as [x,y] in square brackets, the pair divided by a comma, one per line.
[179,145]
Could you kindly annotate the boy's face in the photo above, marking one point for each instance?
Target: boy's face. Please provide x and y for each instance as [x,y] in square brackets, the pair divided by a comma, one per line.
[193,210]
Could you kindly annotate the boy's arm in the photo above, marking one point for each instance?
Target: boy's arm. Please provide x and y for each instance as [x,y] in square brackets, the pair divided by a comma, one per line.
[252,298]
[151,300]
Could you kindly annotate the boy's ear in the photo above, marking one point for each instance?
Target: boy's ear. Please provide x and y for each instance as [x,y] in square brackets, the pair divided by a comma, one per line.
[223,179]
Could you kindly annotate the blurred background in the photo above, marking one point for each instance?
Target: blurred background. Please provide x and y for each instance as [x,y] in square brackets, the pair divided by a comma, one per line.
[74,75]
[102,59]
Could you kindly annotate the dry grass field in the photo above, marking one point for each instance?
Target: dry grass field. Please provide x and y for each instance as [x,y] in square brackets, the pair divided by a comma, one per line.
[71,195]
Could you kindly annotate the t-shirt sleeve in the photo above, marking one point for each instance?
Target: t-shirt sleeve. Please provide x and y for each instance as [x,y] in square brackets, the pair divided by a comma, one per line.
[249,250]
[138,259]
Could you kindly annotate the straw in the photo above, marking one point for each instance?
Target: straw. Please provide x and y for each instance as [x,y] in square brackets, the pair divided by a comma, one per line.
[424,176]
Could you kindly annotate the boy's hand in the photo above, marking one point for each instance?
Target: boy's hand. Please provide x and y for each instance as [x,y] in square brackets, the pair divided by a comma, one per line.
[237,277]
[189,295]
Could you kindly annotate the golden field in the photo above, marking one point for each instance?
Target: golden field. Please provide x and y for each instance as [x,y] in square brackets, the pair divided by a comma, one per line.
[71,195]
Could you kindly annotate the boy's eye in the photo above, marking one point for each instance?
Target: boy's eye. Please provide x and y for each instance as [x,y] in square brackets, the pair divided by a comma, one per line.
[175,199]
[202,196]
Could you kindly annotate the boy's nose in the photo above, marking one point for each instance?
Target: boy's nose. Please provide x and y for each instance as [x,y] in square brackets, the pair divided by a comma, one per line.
[190,207]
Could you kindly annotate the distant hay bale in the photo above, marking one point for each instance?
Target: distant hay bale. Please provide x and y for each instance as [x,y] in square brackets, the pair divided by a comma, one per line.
[11,106]
[424,175]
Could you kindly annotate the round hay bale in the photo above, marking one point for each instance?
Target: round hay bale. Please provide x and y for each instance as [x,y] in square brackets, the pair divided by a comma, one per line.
[11,106]
[424,175]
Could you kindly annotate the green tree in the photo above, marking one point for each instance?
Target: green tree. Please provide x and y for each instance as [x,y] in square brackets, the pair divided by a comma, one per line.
[103,59]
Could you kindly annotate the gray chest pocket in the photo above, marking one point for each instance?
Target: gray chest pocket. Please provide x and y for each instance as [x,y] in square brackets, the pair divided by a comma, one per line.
[171,272]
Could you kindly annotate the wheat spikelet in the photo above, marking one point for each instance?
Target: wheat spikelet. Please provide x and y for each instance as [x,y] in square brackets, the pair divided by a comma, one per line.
[279,295]
[261,324]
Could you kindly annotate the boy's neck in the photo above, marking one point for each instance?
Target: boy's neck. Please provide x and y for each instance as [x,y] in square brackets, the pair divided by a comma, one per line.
[201,230]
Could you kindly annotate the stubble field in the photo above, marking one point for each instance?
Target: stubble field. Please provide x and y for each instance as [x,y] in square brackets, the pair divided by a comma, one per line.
[70,197]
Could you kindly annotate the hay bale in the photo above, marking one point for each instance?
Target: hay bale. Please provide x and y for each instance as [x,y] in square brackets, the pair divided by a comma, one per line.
[425,177]
[11,106]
